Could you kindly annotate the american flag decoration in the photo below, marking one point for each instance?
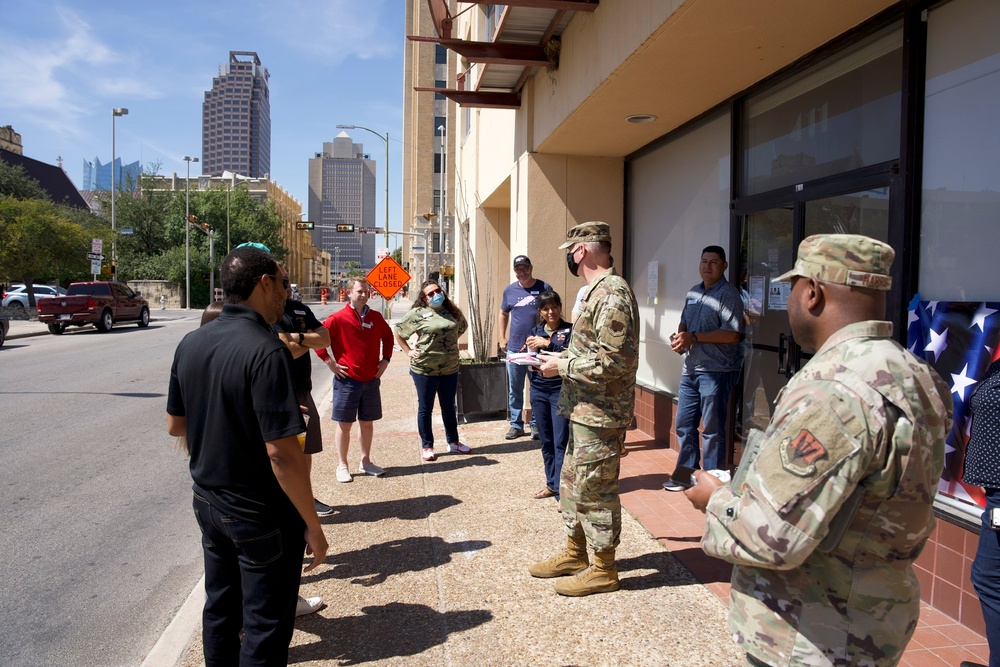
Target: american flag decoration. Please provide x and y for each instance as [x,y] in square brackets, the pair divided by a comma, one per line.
[960,339]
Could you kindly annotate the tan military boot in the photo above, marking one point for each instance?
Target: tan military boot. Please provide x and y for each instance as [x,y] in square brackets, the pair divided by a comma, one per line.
[601,577]
[570,561]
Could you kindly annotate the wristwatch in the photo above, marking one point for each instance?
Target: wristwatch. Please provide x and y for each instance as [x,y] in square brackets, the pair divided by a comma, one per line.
[694,337]
[301,336]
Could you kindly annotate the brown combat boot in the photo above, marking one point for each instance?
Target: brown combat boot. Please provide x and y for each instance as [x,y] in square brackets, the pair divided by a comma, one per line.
[601,577]
[573,559]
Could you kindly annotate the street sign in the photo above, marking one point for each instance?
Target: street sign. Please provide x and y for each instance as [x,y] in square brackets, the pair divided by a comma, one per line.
[125,230]
[388,277]
[96,256]
[95,266]
[96,245]
[382,253]
[417,248]
[371,230]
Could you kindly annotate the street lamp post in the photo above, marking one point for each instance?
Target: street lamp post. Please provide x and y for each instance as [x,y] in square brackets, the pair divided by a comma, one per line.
[121,111]
[444,197]
[187,232]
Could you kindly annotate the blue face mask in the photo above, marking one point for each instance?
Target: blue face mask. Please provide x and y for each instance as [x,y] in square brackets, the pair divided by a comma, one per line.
[437,300]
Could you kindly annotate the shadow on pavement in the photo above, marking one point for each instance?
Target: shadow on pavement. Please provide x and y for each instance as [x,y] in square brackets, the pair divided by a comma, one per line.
[651,482]
[373,565]
[382,632]
[447,464]
[407,509]
[667,571]
[512,447]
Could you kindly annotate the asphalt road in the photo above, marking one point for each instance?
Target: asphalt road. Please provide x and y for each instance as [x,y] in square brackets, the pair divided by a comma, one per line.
[100,547]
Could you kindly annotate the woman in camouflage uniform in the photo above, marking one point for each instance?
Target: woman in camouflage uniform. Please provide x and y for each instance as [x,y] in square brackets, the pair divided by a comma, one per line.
[437,323]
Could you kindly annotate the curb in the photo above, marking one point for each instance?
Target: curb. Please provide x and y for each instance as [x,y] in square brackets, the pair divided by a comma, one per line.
[169,648]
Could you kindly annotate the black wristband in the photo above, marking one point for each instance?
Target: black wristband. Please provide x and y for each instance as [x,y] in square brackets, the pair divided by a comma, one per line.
[301,337]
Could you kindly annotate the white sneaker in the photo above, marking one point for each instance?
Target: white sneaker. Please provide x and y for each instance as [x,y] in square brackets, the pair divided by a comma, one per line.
[308,606]
[428,454]
[369,469]
[344,475]
[458,448]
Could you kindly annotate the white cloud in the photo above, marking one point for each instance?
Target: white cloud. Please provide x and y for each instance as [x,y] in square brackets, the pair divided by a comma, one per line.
[55,77]
[334,30]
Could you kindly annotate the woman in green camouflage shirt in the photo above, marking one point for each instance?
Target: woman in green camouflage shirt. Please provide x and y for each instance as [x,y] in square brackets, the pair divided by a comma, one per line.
[437,323]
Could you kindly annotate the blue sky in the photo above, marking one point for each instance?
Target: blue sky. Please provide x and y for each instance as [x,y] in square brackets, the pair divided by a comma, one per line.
[65,65]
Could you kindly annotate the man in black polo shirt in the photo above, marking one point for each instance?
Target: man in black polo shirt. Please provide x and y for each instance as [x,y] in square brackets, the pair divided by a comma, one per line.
[231,395]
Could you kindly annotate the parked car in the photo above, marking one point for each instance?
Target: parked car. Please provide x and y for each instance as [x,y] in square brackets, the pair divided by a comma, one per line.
[99,303]
[17,295]
[4,328]
[296,295]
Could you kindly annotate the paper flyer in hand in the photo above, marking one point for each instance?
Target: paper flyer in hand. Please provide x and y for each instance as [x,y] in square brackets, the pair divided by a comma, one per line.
[524,359]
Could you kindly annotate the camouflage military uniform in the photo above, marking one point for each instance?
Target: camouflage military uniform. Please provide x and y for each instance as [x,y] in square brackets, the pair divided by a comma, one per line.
[437,339]
[598,397]
[824,521]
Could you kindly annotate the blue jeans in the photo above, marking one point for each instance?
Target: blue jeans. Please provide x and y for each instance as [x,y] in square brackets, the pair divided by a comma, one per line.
[704,397]
[553,431]
[445,387]
[252,574]
[986,577]
[515,394]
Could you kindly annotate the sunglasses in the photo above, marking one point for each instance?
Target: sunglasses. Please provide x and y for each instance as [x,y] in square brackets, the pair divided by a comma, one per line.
[434,291]
[284,280]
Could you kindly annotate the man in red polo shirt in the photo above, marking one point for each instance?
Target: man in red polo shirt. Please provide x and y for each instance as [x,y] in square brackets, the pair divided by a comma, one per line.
[361,341]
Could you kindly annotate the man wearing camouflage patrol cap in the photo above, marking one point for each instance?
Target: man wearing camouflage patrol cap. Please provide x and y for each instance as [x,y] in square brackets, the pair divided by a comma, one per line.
[598,396]
[831,504]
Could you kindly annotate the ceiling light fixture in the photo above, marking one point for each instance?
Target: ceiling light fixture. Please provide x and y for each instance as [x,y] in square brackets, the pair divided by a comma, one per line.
[641,118]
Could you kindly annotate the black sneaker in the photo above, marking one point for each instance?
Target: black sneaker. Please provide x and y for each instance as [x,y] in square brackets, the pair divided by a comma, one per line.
[322,509]
[514,432]
[534,432]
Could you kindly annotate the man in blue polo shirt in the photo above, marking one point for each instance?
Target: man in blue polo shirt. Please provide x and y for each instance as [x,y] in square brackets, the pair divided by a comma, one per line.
[231,395]
[709,334]
[518,305]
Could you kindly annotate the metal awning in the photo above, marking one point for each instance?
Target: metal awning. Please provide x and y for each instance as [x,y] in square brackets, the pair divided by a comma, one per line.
[519,46]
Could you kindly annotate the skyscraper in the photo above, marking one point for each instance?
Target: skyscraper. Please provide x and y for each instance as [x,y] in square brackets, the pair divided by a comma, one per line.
[342,192]
[236,119]
[97,176]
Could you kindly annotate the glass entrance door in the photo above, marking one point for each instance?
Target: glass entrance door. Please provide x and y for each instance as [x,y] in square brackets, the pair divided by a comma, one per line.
[769,244]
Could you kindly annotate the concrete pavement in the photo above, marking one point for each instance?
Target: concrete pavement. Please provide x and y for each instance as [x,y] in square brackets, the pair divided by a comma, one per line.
[428,564]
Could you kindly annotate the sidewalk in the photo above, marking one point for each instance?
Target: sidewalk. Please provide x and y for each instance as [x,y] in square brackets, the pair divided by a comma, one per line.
[427,564]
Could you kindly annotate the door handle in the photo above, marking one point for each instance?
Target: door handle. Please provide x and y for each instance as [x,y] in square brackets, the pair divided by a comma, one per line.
[785,343]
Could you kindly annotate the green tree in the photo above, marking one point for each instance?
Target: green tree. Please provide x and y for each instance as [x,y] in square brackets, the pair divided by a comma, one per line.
[15,182]
[39,241]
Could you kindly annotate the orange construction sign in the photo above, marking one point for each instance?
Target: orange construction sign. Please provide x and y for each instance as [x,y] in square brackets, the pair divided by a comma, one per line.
[388,277]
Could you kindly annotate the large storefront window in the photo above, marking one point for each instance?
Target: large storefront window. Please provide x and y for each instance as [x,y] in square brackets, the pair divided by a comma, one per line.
[960,222]
[955,321]
[678,203]
[836,118]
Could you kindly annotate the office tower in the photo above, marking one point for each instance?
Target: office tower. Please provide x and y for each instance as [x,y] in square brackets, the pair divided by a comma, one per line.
[342,192]
[97,176]
[236,119]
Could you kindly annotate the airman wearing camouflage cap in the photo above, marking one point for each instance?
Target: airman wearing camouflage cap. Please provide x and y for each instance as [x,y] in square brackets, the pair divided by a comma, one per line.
[598,398]
[844,259]
[587,232]
[832,503]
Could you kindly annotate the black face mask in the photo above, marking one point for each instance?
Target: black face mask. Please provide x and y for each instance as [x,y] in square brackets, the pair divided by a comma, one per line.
[574,266]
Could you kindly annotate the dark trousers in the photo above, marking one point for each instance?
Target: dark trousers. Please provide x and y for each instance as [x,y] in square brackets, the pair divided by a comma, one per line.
[252,573]
[553,431]
[986,577]
[445,387]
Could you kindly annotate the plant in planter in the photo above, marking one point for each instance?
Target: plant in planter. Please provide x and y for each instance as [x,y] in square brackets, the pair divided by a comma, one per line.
[482,379]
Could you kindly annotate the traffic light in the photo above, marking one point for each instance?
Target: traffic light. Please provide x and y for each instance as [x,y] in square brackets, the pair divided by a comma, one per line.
[193,218]
[345,228]
[204,226]
[305,225]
